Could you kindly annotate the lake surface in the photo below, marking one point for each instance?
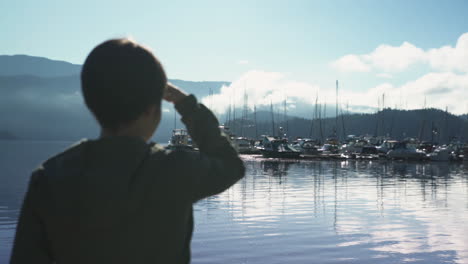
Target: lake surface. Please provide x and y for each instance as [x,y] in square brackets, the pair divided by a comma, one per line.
[302,212]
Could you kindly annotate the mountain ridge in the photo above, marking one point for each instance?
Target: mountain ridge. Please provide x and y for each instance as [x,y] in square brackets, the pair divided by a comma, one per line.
[41,99]
[38,104]
[32,65]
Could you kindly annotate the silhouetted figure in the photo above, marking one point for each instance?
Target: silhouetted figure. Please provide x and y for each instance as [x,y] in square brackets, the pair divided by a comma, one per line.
[118,199]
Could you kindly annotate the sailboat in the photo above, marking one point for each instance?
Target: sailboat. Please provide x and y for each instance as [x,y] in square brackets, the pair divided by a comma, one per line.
[274,147]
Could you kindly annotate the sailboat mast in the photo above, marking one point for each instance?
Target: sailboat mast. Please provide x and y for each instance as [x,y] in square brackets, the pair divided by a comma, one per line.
[383,114]
[272,119]
[286,125]
[343,124]
[446,136]
[234,111]
[336,111]
[421,131]
[325,118]
[255,120]
[377,118]
[314,118]
[244,112]
[320,121]
[175,118]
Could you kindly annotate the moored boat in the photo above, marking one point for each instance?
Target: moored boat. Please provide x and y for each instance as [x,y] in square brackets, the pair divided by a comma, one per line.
[402,151]
[278,148]
[440,154]
[180,140]
[244,145]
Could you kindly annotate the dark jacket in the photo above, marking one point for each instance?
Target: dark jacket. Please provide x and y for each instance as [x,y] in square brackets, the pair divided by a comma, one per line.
[121,200]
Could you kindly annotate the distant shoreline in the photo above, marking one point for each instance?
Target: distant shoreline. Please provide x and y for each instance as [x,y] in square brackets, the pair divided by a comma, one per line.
[36,140]
[60,140]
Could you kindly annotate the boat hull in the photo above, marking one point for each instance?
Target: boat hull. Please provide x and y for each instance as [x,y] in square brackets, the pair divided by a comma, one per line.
[281,154]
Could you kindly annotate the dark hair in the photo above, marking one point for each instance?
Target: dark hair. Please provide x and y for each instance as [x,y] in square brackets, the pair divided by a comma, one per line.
[120,79]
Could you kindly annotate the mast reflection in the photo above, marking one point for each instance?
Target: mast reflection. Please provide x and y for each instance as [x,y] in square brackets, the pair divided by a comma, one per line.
[385,207]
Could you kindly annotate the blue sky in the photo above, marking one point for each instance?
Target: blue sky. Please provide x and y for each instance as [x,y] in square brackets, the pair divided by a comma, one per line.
[226,40]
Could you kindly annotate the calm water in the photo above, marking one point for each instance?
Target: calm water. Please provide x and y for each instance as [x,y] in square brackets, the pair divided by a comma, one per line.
[303,212]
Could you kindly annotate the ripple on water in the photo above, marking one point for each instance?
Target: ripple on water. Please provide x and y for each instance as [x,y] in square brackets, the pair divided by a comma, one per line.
[307,211]
[328,212]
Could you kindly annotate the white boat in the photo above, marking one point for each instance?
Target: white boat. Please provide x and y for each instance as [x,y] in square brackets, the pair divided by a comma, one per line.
[354,147]
[180,140]
[278,148]
[359,149]
[307,146]
[402,151]
[440,154]
[386,146]
[244,146]
[368,153]
[328,149]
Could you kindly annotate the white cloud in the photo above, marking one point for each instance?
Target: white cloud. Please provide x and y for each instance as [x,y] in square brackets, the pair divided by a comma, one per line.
[389,58]
[438,89]
[243,62]
[384,75]
[449,58]
[262,88]
[394,59]
[351,63]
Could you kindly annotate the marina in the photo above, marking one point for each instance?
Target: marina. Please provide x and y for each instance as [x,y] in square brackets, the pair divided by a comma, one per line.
[353,148]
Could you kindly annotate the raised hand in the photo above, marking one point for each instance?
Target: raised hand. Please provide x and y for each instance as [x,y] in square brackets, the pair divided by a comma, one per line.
[173,94]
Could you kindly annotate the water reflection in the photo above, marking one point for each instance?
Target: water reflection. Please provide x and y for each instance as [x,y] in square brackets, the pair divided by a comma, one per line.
[349,210]
[17,160]
[303,212]
[275,168]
